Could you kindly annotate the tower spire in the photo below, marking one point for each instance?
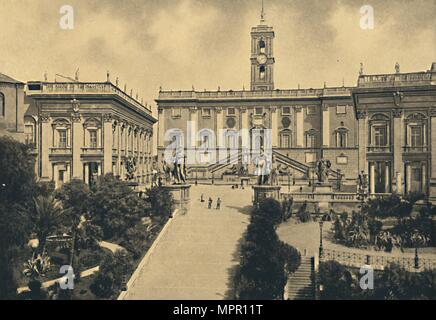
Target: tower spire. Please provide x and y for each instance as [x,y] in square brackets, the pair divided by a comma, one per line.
[262,13]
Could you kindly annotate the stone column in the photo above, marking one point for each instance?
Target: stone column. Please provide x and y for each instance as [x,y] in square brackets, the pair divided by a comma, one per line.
[86,178]
[325,126]
[408,177]
[161,128]
[398,142]
[432,187]
[300,126]
[363,140]
[77,143]
[274,126]
[219,125]
[46,144]
[424,178]
[387,178]
[107,143]
[372,177]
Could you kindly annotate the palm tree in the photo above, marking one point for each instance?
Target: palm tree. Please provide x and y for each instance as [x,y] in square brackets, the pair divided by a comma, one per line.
[47,216]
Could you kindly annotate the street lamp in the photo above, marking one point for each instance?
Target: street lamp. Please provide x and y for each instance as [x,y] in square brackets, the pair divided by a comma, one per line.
[417,240]
[289,181]
[321,248]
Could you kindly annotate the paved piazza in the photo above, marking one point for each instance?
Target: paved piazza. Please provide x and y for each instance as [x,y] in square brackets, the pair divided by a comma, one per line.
[196,256]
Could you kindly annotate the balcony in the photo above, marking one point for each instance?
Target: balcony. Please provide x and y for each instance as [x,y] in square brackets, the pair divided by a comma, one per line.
[60,151]
[415,149]
[89,151]
[379,149]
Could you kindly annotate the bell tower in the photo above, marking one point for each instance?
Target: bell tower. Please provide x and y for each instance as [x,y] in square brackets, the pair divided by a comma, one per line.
[262,55]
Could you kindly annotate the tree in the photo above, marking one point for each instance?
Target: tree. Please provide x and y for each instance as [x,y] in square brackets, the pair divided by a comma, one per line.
[336,281]
[75,197]
[47,216]
[17,187]
[115,207]
[265,260]
[161,202]
[113,271]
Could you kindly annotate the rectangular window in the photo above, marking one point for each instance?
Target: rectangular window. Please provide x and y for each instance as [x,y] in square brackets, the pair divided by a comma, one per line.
[205,112]
[341,141]
[341,110]
[259,111]
[176,112]
[311,141]
[380,136]
[93,138]
[28,133]
[286,141]
[231,111]
[416,137]
[286,111]
[62,138]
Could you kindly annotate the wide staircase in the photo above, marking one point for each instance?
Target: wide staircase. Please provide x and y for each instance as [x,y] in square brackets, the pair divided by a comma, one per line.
[301,284]
[289,162]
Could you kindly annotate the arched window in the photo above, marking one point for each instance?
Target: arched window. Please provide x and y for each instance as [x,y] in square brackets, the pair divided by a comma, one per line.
[61,133]
[232,139]
[262,72]
[341,137]
[285,139]
[2,105]
[93,133]
[262,46]
[207,139]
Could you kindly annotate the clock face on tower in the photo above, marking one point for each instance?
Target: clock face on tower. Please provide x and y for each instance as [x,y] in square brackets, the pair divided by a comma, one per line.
[262,59]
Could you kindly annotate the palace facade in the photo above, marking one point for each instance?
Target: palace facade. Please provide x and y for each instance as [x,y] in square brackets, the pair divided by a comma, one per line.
[382,127]
[79,130]
[11,108]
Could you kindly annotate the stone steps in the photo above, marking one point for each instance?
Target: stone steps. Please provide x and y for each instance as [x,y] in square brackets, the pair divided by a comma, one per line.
[300,284]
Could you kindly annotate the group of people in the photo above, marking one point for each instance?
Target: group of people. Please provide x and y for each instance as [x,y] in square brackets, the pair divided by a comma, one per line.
[210,202]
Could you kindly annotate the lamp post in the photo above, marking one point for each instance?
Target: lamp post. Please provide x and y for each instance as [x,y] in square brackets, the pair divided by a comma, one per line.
[321,248]
[289,181]
[417,240]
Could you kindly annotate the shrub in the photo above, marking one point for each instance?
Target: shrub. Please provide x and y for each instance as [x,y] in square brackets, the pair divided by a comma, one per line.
[336,281]
[113,272]
[161,202]
[115,207]
[262,274]
[391,206]
[303,215]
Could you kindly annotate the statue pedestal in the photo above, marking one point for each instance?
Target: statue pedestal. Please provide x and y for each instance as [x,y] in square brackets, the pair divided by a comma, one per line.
[262,192]
[323,194]
[321,188]
[180,193]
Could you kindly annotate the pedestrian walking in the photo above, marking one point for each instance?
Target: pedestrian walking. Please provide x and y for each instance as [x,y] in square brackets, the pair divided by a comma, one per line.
[209,206]
[202,198]
[218,204]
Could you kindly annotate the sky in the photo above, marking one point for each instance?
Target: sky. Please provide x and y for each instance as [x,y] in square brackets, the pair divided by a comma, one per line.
[178,44]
